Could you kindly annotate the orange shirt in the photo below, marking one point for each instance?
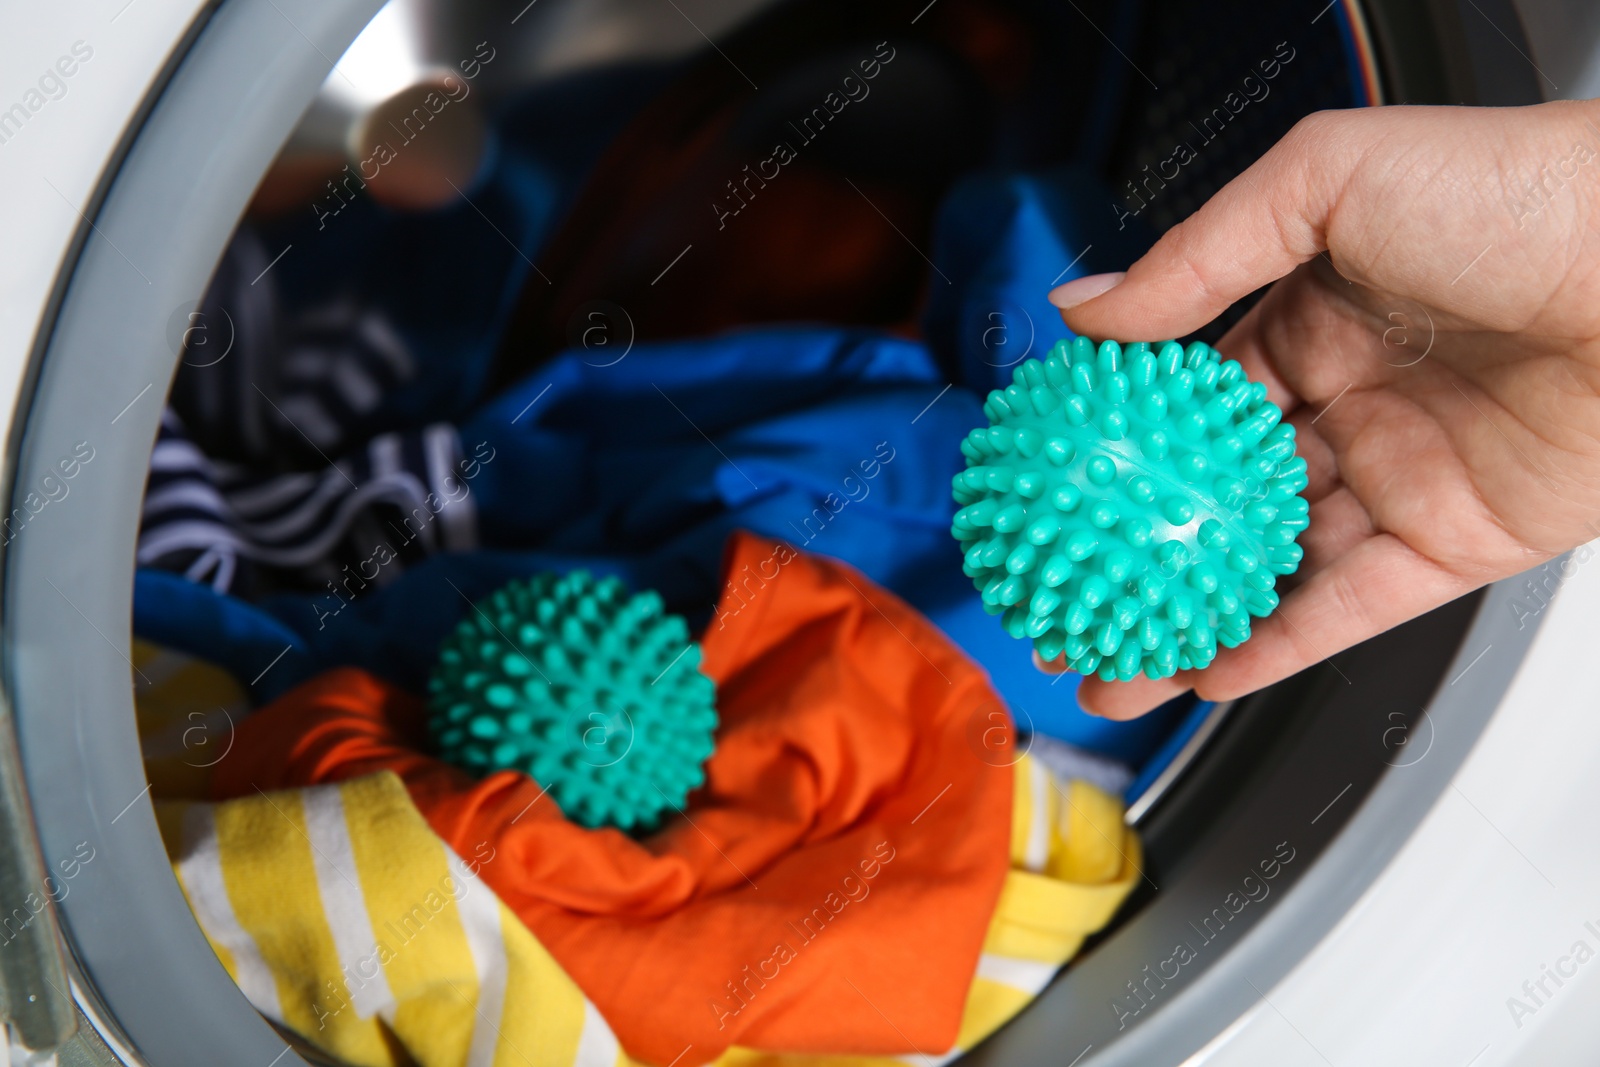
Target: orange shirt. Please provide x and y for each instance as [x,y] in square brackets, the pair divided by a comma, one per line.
[829,888]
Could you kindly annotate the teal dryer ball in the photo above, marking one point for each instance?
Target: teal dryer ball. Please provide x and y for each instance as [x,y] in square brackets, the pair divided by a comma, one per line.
[595,694]
[1130,506]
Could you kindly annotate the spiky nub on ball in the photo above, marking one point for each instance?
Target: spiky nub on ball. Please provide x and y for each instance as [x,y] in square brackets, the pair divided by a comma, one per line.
[595,694]
[1131,507]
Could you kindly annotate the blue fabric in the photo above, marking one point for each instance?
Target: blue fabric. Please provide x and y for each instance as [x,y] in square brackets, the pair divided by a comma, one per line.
[1005,240]
[644,468]
[238,636]
[841,442]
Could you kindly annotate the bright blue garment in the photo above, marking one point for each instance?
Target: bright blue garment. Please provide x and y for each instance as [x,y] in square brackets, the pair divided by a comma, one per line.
[236,635]
[1005,240]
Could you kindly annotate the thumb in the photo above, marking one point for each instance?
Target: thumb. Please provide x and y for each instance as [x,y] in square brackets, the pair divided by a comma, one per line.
[1258,228]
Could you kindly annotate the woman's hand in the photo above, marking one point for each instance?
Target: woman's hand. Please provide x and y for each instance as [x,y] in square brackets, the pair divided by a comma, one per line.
[1434,338]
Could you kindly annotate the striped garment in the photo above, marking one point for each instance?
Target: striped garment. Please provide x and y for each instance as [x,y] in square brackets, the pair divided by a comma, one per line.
[204,516]
[262,386]
[341,915]
[243,470]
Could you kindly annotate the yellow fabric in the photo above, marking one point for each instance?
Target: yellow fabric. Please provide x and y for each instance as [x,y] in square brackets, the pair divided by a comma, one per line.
[343,916]
[187,711]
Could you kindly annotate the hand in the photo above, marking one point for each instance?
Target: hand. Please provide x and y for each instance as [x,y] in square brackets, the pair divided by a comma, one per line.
[1434,339]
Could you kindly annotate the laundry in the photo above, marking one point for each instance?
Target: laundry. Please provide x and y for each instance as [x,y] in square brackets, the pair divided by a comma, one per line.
[292,361]
[845,739]
[382,363]
[278,386]
[852,89]
[207,517]
[782,193]
[628,486]
[464,981]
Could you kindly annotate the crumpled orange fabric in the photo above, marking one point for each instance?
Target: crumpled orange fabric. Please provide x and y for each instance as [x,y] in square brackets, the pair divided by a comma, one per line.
[828,890]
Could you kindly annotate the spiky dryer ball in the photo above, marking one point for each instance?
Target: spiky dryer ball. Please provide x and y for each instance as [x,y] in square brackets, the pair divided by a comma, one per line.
[595,694]
[1131,507]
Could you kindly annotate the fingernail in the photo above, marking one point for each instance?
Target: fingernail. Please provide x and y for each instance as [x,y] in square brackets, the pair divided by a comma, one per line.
[1079,290]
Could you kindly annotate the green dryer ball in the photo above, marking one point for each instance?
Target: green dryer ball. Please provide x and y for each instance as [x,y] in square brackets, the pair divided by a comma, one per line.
[1131,506]
[595,694]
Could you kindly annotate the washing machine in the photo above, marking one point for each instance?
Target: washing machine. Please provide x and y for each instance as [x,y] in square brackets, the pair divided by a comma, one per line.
[1419,800]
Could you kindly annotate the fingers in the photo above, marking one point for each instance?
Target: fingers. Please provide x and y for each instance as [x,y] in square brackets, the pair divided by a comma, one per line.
[1378,584]
[1129,700]
[1247,343]
[1257,229]
[1339,522]
[1322,467]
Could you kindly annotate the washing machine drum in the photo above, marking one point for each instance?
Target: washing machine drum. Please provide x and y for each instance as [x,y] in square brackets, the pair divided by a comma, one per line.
[250,179]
